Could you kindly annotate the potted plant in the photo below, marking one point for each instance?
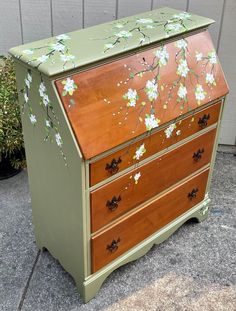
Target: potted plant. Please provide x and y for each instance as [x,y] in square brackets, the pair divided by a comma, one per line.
[12,153]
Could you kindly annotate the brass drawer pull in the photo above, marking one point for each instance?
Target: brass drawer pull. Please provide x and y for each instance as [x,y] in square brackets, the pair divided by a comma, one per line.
[198,154]
[113,203]
[203,120]
[113,168]
[193,193]
[113,246]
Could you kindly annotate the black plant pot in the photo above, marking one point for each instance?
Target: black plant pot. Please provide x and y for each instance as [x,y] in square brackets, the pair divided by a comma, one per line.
[6,169]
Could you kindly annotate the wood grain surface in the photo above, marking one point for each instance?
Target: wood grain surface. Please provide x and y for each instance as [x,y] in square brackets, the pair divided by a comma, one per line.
[156,176]
[98,111]
[144,222]
[153,144]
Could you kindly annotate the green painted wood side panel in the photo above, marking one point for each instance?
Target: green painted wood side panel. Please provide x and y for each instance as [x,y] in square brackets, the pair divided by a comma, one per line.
[73,50]
[56,184]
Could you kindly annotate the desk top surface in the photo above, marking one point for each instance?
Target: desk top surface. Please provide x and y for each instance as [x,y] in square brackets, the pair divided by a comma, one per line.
[76,49]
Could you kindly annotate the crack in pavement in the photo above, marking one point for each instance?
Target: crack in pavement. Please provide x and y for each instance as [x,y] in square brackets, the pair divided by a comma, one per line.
[19,308]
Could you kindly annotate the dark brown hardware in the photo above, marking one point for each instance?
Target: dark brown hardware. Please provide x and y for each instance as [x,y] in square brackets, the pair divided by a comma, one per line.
[198,154]
[203,120]
[113,246]
[113,168]
[193,194]
[113,204]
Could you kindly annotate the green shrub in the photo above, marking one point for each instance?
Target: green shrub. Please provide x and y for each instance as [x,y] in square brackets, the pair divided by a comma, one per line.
[11,138]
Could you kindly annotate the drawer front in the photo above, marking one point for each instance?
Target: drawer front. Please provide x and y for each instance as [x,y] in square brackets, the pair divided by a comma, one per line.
[126,157]
[124,235]
[126,192]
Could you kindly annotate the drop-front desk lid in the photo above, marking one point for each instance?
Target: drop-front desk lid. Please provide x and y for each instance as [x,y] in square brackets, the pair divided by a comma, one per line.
[113,103]
[118,101]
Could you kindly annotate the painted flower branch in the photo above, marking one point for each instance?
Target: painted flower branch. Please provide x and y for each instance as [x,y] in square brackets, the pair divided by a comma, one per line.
[142,26]
[153,85]
[26,93]
[51,121]
[58,47]
[208,60]
[150,88]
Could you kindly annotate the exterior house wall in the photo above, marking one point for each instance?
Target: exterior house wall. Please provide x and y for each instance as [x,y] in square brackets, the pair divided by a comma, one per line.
[23,21]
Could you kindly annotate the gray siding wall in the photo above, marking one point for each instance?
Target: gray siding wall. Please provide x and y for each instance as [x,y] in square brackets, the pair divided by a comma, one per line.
[23,21]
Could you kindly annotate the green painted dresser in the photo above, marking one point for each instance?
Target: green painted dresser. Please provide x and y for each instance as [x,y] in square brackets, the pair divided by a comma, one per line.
[120,123]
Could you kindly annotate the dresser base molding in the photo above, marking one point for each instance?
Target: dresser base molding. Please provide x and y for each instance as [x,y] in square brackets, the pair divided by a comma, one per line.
[93,283]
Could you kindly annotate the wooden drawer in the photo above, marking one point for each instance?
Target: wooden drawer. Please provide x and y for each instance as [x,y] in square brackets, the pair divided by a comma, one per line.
[144,222]
[153,144]
[156,176]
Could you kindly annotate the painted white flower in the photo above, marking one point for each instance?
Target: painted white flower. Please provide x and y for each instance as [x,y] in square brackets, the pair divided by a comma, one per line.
[149,26]
[178,132]
[48,123]
[42,89]
[42,58]
[181,44]
[28,52]
[174,26]
[163,56]
[210,78]
[145,21]
[123,34]
[67,57]
[151,90]
[58,139]
[212,57]
[151,121]
[200,94]
[63,37]
[27,83]
[132,97]
[58,47]
[32,118]
[28,80]
[142,40]
[119,25]
[139,152]
[182,15]
[136,177]
[199,56]
[29,77]
[109,45]
[26,98]
[183,69]
[69,86]
[43,95]
[45,100]
[204,210]
[182,91]
[169,130]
